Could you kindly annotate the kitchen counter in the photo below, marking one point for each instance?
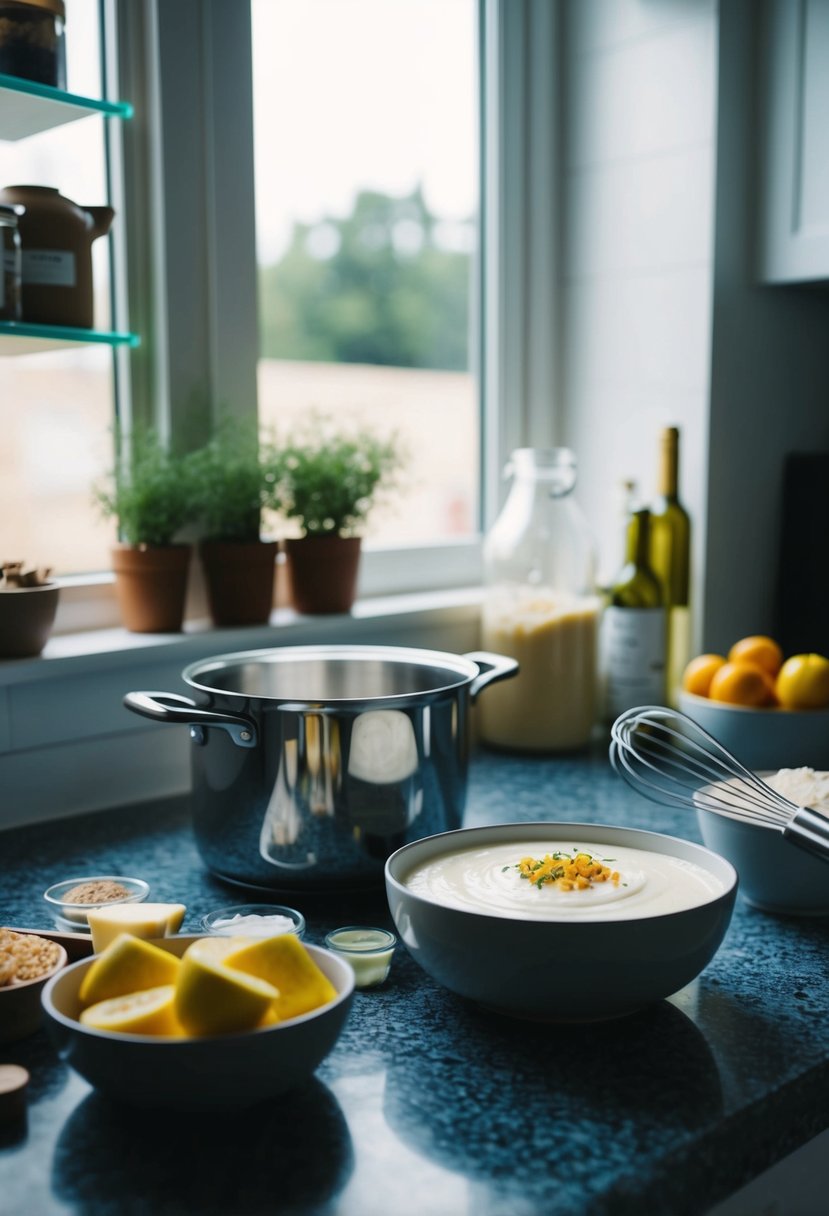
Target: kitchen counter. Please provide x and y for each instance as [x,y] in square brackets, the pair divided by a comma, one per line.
[429,1105]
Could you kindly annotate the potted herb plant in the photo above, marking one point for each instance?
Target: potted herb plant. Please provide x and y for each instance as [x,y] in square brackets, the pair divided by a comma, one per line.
[149,494]
[28,602]
[328,483]
[235,476]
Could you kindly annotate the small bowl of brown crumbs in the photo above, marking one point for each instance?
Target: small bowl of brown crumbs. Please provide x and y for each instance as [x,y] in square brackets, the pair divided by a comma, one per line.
[70,901]
[27,961]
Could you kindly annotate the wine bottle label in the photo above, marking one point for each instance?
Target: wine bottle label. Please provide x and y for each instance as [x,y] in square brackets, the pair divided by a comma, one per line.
[634,651]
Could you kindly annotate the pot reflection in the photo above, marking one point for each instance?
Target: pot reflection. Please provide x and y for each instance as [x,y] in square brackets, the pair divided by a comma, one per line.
[362,771]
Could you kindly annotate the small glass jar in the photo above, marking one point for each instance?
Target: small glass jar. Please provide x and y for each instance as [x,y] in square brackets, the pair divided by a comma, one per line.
[368,950]
[541,608]
[32,40]
[10,265]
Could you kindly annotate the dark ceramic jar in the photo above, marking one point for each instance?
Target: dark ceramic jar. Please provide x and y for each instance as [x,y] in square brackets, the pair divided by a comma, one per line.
[9,265]
[32,40]
[56,238]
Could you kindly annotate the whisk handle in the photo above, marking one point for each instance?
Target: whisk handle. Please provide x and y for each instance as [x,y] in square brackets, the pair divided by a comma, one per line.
[809,830]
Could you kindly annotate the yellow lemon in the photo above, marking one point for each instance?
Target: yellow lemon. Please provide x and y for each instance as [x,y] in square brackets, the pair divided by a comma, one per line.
[128,964]
[284,962]
[148,1012]
[213,999]
[803,682]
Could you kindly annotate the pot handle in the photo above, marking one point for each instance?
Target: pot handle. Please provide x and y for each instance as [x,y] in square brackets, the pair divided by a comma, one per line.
[170,707]
[492,667]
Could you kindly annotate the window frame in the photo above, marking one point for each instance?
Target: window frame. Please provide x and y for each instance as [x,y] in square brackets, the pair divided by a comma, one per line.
[185,263]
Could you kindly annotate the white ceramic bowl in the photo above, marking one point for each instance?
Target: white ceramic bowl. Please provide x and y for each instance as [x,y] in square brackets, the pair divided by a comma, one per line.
[775,874]
[764,738]
[558,970]
[214,1073]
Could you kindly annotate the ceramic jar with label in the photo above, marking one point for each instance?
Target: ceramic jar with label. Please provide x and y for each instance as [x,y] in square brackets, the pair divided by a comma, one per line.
[10,306]
[540,607]
[56,238]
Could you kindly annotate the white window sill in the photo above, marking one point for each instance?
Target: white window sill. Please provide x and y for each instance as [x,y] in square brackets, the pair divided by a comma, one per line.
[94,650]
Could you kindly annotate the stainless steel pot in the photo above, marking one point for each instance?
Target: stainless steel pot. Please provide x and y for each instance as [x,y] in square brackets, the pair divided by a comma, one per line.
[311,764]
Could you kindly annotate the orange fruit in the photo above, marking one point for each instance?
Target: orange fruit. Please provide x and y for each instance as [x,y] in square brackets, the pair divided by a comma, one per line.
[742,684]
[760,650]
[699,673]
[803,682]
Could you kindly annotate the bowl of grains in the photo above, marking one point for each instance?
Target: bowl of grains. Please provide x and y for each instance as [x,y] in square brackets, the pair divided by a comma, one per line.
[70,901]
[27,961]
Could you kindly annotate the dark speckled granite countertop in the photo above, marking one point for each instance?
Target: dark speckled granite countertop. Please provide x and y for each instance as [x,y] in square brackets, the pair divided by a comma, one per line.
[428,1105]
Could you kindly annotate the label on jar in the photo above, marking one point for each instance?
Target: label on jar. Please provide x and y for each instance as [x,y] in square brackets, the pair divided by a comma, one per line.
[634,642]
[49,268]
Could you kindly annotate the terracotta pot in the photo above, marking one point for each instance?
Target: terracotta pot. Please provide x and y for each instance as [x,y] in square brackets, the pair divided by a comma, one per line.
[56,238]
[151,584]
[27,615]
[323,572]
[239,576]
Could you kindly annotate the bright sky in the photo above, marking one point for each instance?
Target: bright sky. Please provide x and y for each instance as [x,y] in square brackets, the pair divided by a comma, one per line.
[354,94]
[348,94]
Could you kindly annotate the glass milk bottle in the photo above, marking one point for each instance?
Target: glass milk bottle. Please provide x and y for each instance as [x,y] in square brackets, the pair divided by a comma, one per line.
[540,607]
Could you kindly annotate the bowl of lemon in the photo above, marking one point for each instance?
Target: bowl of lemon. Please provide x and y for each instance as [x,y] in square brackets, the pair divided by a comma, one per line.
[769,710]
[194,1023]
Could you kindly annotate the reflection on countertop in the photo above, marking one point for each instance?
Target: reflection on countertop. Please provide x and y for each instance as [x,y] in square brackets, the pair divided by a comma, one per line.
[429,1105]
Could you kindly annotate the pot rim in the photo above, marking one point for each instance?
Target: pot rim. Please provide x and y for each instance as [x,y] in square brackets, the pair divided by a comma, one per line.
[463,669]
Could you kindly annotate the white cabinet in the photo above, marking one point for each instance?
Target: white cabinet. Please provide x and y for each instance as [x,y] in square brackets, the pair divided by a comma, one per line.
[793,97]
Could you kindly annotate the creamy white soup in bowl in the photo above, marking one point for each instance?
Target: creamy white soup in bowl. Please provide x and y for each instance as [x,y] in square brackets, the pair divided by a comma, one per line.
[559,921]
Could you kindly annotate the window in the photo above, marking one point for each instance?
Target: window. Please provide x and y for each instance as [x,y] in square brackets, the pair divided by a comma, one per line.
[57,409]
[404,196]
[365,125]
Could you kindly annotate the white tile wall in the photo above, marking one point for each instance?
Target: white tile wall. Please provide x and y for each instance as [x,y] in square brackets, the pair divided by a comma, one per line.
[637,247]
[652,214]
[600,24]
[644,98]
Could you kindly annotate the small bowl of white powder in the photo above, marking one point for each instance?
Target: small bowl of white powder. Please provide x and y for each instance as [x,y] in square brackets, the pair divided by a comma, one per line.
[254,920]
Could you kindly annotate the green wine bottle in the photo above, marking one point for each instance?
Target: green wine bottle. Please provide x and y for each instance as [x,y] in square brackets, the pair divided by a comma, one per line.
[670,557]
[634,628]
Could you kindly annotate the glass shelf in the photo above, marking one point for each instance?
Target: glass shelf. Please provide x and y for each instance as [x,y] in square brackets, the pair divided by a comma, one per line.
[21,338]
[26,107]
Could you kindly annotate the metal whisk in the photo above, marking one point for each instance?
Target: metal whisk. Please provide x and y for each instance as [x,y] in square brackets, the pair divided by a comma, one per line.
[667,757]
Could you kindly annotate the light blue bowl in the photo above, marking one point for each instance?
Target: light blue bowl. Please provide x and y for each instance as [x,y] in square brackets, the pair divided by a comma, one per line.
[765,739]
[775,875]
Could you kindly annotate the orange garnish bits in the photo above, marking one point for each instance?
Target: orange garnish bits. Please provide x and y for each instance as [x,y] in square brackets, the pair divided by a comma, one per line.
[567,872]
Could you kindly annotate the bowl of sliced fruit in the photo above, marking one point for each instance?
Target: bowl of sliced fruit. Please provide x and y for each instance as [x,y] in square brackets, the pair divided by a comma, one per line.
[195,1023]
[770,711]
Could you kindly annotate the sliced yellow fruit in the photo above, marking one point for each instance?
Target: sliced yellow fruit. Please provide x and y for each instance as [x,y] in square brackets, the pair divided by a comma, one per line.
[212,999]
[142,920]
[148,1012]
[128,964]
[284,962]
